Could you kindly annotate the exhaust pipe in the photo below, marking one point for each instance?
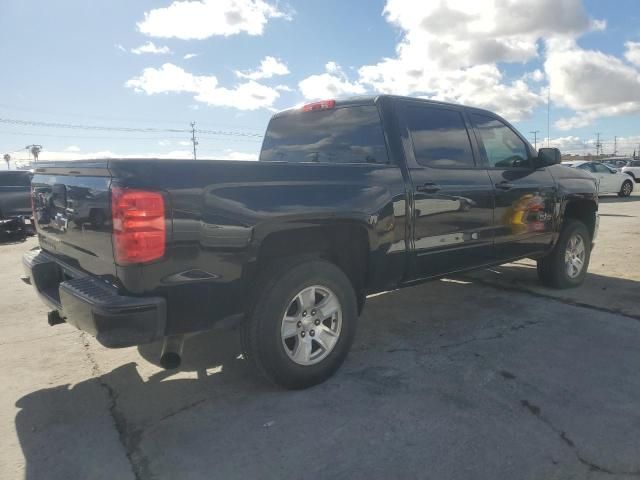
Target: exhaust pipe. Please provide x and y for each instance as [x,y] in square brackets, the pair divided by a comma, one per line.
[54,318]
[171,356]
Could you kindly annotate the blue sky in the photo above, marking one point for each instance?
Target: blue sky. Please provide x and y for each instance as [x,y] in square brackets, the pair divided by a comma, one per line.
[74,62]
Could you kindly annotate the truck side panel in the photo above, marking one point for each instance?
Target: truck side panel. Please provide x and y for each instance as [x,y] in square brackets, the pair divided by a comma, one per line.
[224,212]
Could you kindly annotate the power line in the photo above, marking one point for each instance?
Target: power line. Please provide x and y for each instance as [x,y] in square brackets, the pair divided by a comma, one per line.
[33,123]
[4,106]
[111,137]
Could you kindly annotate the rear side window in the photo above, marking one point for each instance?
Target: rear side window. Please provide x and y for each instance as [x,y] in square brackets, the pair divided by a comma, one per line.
[586,166]
[440,138]
[15,179]
[503,148]
[338,135]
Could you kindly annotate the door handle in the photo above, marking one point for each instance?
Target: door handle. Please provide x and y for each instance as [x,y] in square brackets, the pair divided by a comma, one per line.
[428,188]
[504,186]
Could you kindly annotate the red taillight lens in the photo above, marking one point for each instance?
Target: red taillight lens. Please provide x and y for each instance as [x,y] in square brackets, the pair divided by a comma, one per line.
[322,105]
[139,232]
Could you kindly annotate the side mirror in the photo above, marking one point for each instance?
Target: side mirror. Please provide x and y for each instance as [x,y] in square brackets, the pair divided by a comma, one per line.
[548,156]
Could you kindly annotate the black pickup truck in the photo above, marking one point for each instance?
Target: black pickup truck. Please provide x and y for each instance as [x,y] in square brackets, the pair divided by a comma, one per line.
[348,198]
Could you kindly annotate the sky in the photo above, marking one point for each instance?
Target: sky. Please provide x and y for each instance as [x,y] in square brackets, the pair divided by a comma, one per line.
[88,78]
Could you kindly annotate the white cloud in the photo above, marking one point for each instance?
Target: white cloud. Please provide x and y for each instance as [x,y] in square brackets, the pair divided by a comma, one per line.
[632,52]
[72,148]
[189,56]
[120,47]
[232,155]
[206,18]
[186,154]
[591,83]
[454,51]
[269,67]
[576,145]
[332,83]
[283,88]
[170,78]
[150,47]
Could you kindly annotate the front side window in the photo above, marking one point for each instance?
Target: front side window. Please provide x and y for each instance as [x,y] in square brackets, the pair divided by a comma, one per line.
[600,168]
[503,148]
[336,135]
[440,138]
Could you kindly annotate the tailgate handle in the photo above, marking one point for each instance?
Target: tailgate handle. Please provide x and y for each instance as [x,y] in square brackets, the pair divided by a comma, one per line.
[428,188]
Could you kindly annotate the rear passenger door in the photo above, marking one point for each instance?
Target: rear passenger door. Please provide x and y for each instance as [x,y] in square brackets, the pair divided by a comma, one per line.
[452,194]
[525,196]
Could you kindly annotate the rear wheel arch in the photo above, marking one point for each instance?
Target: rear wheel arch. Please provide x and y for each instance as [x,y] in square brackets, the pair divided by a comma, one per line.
[345,245]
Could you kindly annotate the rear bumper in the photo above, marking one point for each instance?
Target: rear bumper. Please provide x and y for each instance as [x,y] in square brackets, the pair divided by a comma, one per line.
[94,306]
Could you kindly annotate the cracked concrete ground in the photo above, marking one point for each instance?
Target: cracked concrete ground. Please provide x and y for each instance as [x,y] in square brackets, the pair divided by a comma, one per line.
[484,376]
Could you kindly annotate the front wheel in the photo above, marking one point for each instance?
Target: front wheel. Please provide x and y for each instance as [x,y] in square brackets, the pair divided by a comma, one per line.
[626,189]
[302,323]
[566,265]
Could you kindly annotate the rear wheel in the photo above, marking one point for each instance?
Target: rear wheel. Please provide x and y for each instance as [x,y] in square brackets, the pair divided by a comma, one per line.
[566,266]
[626,189]
[302,323]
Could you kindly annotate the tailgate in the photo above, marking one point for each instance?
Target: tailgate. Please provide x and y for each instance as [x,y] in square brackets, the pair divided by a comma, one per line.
[72,213]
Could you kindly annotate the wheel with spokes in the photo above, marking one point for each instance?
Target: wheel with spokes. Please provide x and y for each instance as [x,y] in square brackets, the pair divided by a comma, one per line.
[302,323]
[566,266]
[626,189]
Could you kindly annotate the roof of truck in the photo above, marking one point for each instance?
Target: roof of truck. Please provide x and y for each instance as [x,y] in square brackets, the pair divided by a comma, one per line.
[372,100]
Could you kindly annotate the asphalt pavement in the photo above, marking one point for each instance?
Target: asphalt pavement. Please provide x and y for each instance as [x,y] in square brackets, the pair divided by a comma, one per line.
[486,376]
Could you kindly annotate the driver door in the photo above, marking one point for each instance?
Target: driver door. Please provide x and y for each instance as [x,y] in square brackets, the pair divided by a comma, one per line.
[525,196]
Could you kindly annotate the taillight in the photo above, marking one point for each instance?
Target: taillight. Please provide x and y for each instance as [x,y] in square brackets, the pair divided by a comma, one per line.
[322,105]
[139,232]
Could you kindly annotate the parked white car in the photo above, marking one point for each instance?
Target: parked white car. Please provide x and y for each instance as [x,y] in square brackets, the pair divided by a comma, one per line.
[633,169]
[609,179]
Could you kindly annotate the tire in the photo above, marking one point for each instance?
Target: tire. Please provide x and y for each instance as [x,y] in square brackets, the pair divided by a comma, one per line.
[626,188]
[289,353]
[553,270]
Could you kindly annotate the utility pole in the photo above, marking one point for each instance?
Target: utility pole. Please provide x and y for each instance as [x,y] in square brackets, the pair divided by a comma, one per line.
[535,138]
[548,114]
[598,145]
[193,139]
[615,145]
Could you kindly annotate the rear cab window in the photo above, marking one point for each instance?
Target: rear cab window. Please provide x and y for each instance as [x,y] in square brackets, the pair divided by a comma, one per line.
[347,134]
[439,136]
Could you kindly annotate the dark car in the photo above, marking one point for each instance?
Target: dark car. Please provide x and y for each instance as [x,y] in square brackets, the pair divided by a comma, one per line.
[15,204]
[349,198]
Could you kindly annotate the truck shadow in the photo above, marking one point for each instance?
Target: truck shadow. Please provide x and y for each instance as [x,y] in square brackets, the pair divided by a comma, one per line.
[616,295]
[616,199]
